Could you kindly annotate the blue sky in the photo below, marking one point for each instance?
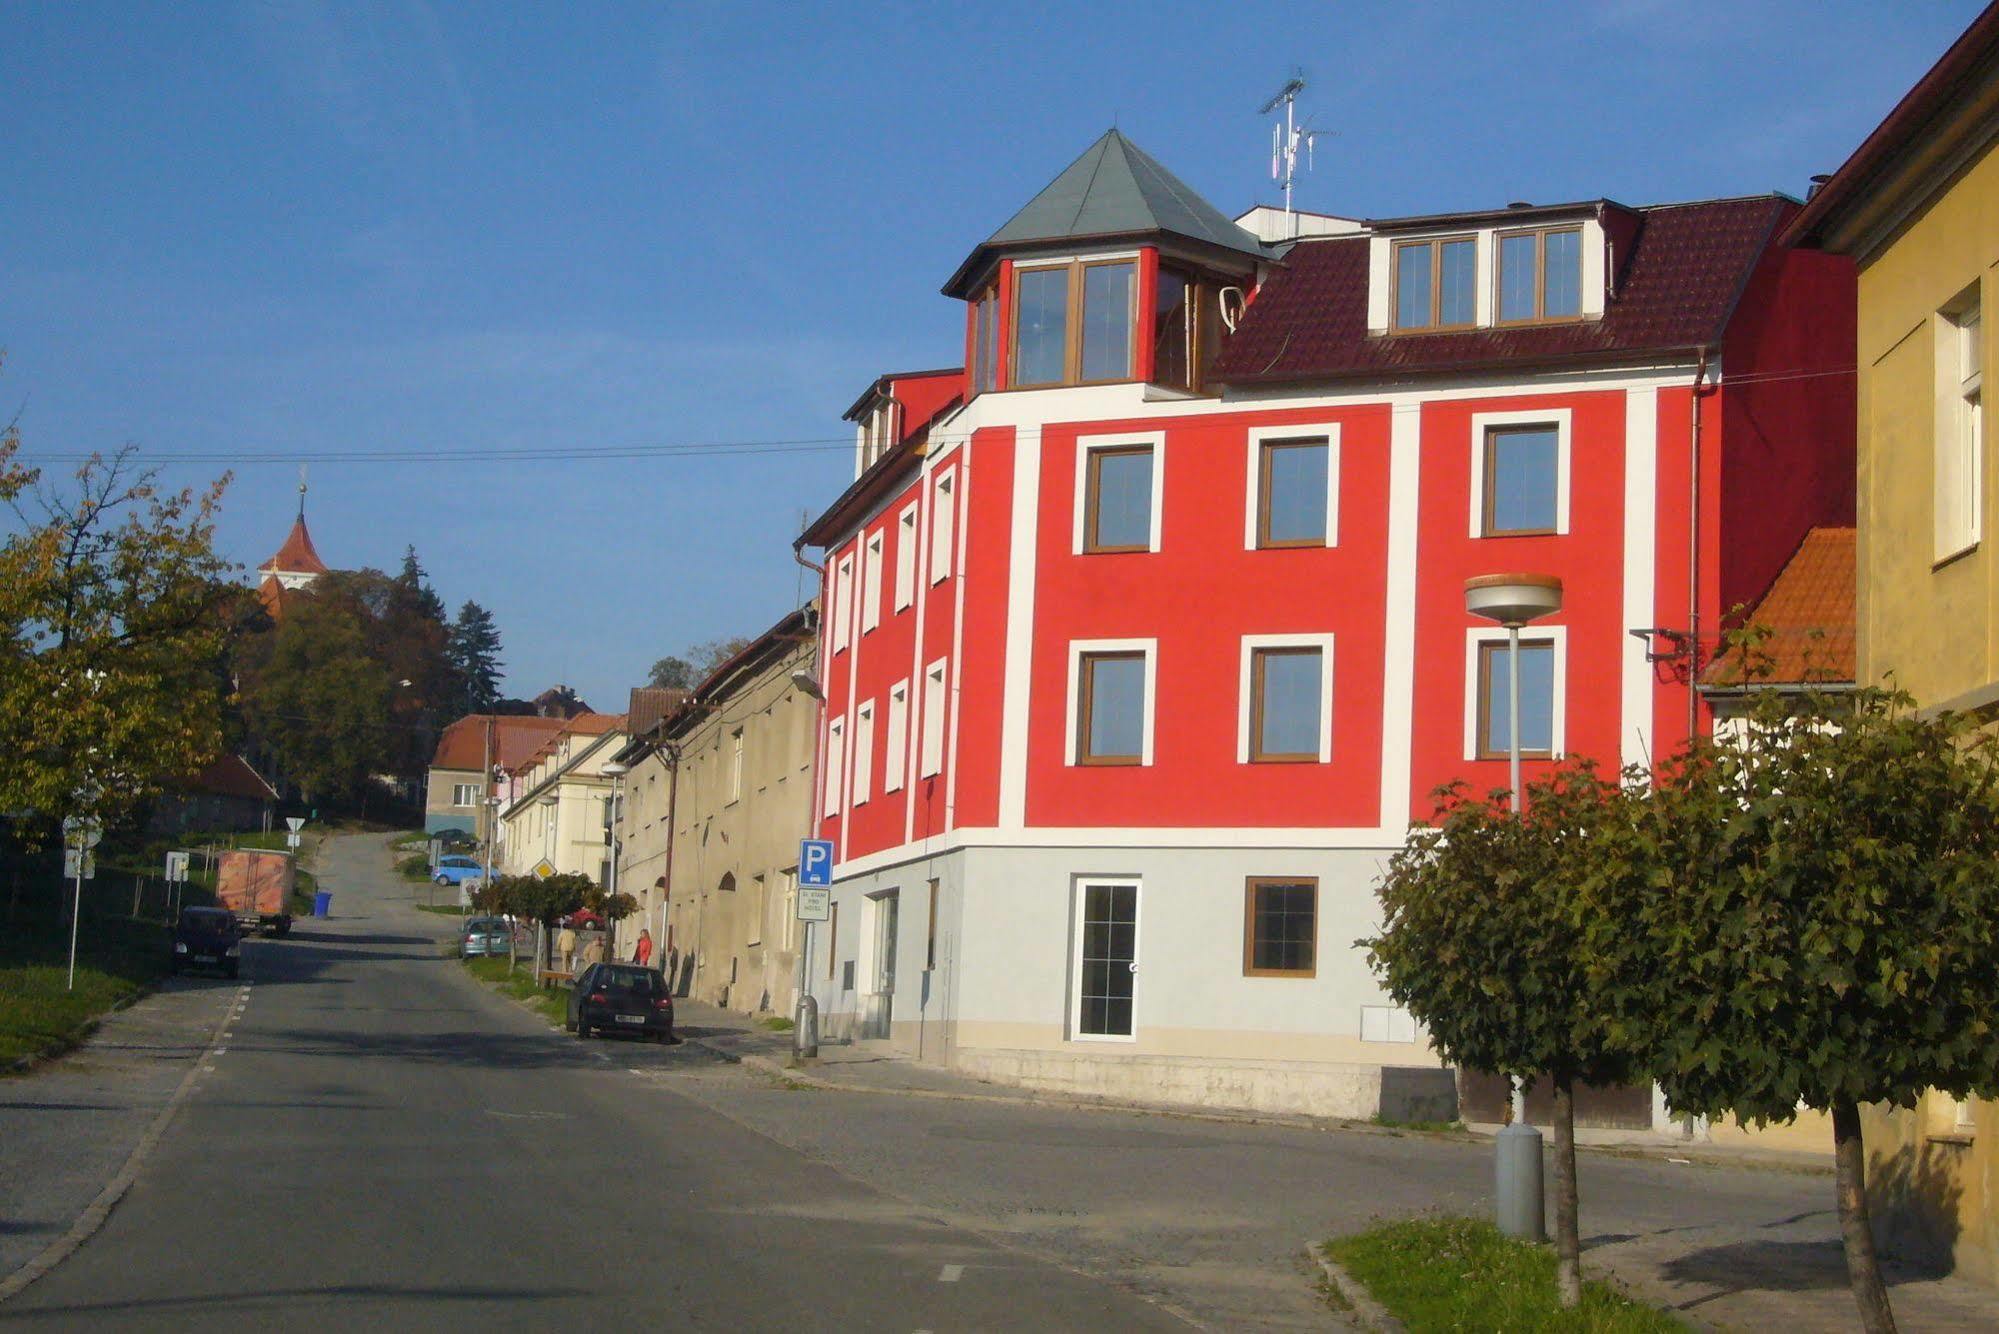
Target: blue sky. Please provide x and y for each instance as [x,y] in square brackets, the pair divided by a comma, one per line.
[322,229]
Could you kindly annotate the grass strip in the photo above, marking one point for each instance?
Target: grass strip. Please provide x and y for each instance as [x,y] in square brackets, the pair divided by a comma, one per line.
[116,961]
[551,1004]
[1449,1273]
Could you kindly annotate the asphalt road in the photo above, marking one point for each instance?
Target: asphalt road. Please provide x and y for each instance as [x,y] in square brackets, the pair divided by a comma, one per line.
[378,1141]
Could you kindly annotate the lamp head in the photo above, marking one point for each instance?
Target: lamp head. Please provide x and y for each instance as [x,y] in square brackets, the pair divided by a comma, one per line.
[1513,599]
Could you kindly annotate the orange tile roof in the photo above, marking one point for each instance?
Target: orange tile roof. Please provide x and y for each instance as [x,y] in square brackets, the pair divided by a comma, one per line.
[1809,613]
[297,555]
[515,736]
[583,724]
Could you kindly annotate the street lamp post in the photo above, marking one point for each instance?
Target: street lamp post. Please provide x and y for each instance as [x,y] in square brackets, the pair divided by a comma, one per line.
[617,773]
[1513,600]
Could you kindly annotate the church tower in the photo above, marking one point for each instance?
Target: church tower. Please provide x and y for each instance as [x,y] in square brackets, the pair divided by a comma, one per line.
[295,565]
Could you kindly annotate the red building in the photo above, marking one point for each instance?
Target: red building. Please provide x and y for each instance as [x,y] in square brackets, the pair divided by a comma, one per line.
[1146,639]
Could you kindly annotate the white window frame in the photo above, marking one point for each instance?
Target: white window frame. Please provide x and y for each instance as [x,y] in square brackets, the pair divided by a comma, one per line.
[936,697]
[1558,636]
[1260,436]
[1080,892]
[1559,418]
[836,762]
[843,596]
[1959,464]
[943,523]
[1250,644]
[735,766]
[905,557]
[1077,648]
[871,581]
[864,753]
[896,759]
[464,794]
[1088,444]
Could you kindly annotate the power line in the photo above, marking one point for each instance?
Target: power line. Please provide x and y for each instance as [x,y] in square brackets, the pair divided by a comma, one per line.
[735,448]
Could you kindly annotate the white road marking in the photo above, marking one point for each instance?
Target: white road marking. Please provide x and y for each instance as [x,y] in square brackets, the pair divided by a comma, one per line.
[951,1274]
[221,1050]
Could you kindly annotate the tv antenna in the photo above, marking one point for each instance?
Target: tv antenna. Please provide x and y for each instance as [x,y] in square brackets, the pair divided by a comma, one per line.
[1286,140]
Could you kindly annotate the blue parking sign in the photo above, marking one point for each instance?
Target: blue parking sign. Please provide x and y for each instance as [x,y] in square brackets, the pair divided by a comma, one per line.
[815,861]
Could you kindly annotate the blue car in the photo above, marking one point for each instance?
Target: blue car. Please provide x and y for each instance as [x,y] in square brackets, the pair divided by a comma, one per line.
[457,870]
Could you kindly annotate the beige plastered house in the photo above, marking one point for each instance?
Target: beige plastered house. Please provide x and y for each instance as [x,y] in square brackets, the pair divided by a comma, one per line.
[717,796]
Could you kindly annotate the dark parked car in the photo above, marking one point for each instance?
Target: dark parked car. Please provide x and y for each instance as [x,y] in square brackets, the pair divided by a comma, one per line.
[454,840]
[207,938]
[621,998]
[484,937]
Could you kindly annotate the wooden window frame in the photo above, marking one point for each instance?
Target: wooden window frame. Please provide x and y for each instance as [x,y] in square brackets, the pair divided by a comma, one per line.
[1486,525]
[1482,734]
[1540,235]
[1086,685]
[1436,244]
[1092,466]
[1072,323]
[1257,655]
[1250,888]
[986,335]
[1265,453]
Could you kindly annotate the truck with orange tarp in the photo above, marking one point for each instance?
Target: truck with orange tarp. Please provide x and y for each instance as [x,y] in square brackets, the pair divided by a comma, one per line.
[256,885]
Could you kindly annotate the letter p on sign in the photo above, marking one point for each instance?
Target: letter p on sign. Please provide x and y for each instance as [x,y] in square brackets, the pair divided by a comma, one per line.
[815,861]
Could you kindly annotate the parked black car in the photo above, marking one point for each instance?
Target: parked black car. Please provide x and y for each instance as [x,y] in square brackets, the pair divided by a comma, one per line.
[207,938]
[621,998]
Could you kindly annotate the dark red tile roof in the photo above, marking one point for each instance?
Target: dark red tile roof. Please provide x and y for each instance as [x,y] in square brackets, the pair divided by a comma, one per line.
[1809,614]
[229,776]
[1688,266]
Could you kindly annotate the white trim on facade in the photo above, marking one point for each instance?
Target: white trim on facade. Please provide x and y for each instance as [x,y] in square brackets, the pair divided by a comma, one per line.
[836,757]
[871,580]
[1088,444]
[1481,422]
[905,555]
[1251,643]
[1641,518]
[1253,484]
[936,685]
[1150,648]
[953,688]
[1556,635]
[943,522]
[895,757]
[1398,678]
[864,752]
[1022,567]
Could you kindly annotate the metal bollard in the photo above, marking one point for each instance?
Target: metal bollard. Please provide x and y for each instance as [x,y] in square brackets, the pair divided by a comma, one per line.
[1517,1199]
[805,1035]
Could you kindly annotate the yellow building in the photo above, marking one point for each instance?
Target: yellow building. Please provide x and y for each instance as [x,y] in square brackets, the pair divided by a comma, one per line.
[1917,206]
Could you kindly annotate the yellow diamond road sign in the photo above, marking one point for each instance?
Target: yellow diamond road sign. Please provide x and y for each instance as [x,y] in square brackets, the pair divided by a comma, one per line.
[543,869]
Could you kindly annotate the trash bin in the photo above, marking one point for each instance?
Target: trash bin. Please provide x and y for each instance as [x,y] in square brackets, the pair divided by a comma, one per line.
[322,903]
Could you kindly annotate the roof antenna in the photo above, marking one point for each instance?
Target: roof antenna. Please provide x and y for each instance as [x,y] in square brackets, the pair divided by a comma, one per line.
[1285,140]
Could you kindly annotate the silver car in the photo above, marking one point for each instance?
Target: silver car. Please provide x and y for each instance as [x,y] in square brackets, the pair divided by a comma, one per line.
[484,936]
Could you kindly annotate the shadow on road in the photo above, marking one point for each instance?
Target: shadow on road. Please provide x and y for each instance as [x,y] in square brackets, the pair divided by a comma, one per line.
[348,1291]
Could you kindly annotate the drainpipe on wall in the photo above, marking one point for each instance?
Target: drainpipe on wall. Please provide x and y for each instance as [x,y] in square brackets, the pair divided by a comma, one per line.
[672,754]
[1694,547]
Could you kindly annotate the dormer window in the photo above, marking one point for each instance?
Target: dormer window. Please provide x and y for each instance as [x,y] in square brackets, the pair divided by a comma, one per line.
[1436,283]
[1540,275]
[1072,322]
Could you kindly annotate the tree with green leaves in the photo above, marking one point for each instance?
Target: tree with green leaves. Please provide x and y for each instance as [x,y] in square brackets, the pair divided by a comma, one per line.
[1486,938]
[671,673]
[473,649]
[1820,925]
[317,693]
[114,609]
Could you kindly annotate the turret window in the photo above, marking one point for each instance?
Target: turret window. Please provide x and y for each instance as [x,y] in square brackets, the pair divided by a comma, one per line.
[1072,323]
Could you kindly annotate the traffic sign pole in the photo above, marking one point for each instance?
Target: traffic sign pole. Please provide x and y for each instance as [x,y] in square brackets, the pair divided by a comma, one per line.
[815,878]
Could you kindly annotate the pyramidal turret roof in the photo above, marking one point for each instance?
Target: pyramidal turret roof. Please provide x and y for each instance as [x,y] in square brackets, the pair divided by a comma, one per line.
[1114,189]
[297,555]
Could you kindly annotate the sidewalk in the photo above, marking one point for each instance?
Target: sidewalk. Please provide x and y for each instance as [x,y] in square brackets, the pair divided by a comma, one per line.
[1789,1274]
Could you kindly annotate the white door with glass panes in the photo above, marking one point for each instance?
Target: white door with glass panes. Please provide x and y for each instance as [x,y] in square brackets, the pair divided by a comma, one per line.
[1106,976]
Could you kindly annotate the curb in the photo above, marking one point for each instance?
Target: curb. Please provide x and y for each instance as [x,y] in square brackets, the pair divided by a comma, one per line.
[98,1212]
[1362,1307]
[55,1051]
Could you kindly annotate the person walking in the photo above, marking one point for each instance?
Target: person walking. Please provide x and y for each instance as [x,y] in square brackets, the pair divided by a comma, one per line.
[565,944]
